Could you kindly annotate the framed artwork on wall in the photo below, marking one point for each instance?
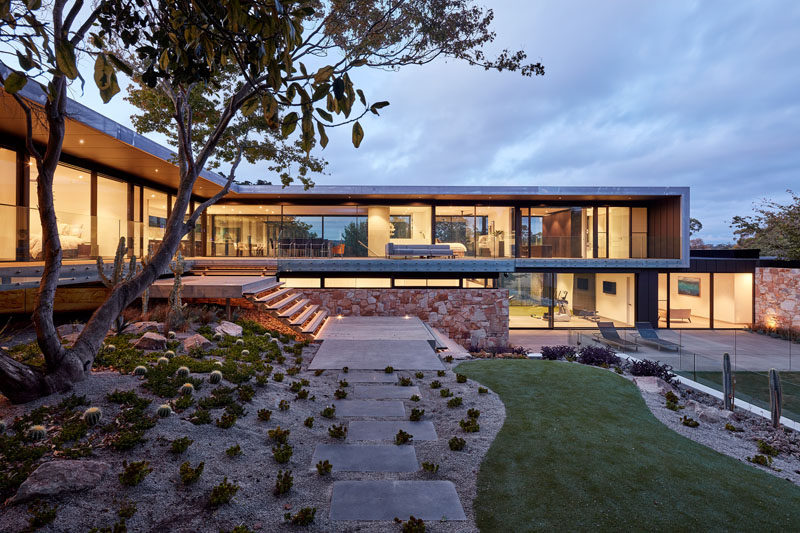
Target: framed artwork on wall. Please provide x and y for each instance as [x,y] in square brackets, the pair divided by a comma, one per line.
[610,287]
[689,286]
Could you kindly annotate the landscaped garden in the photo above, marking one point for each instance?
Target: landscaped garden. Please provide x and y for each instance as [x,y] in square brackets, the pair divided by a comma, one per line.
[580,450]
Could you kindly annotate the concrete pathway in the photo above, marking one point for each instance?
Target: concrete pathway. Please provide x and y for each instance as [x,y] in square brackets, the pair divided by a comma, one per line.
[360,458]
[370,408]
[385,392]
[376,354]
[387,499]
[376,430]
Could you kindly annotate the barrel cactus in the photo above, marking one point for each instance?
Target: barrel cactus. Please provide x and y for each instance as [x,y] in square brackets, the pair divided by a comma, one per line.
[37,432]
[727,382]
[182,372]
[162,361]
[164,410]
[92,416]
[775,397]
[245,353]
[239,342]
[217,337]
[215,377]
[186,389]
[171,335]
[218,363]
[110,348]
[140,370]
[169,354]
[2,426]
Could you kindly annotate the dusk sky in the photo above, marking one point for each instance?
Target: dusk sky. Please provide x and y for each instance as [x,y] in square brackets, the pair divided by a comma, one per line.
[704,94]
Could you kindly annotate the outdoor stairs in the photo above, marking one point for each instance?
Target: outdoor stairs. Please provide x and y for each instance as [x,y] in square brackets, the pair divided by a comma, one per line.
[291,307]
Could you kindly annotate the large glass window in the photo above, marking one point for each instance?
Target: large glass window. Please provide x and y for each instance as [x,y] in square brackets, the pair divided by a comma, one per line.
[690,300]
[733,300]
[460,227]
[529,298]
[8,200]
[155,219]
[581,300]
[72,192]
[112,214]
[243,230]
[619,232]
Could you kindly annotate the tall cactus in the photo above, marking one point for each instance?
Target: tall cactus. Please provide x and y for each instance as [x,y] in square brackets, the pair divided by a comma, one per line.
[119,275]
[146,293]
[775,397]
[175,316]
[727,381]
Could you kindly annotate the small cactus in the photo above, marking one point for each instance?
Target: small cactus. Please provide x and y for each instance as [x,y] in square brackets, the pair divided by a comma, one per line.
[186,389]
[239,342]
[217,337]
[140,371]
[182,372]
[92,416]
[215,377]
[171,335]
[727,382]
[245,353]
[169,354]
[162,361]
[218,363]
[2,426]
[110,348]
[37,432]
[164,410]
[775,397]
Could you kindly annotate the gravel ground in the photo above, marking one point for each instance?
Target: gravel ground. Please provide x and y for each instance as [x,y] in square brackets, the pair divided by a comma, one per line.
[165,504]
[741,444]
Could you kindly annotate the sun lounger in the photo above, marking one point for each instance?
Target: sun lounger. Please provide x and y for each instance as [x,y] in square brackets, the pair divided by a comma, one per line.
[648,335]
[610,337]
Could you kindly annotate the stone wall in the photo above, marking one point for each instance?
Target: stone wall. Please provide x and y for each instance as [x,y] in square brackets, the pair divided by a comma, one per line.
[471,317]
[778,297]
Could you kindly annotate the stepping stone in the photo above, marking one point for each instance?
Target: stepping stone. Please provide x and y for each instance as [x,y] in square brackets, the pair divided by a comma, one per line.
[358,458]
[370,408]
[384,392]
[368,377]
[335,354]
[386,499]
[387,429]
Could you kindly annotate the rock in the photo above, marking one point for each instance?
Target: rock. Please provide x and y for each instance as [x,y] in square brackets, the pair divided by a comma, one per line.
[137,328]
[229,328]
[653,384]
[151,341]
[70,338]
[712,414]
[67,329]
[55,477]
[196,341]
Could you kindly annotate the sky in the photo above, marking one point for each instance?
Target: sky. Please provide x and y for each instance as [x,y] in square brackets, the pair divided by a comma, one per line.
[703,94]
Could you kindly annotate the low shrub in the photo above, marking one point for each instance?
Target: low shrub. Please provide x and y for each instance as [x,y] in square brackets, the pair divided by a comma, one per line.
[223,493]
[283,405]
[766,449]
[282,453]
[283,482]
[554,353]
[340,394]
[473,413]
[415,398]
[324,467]
[309,422]
[388,369]
[452,403]
[456,444]
[416,414]
[234,451]
[338,432]
[188,474]
[646,367]
[419,375]
[440,373]
[264,415]
[763,460]
[278,435]
[405,381]
[461,378]
[689,422]
[470,425]
[445,393]
[430,467]
[134,473]
[180,445]
[329,411]
[598,356]
[435,384]
[303,517]
[483,390]
[412,525]
[226,421]
[402,437]
[730,427]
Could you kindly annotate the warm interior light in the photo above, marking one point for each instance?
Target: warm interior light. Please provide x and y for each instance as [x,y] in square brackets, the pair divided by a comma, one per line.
[152,196]
[156,170]
[339,316]
[80,141]
[406,317]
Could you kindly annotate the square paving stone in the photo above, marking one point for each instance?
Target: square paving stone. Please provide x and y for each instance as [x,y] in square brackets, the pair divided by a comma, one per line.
[370,408]
[376,355]
[368,377]
[385,500]
[361,458]
[384,392]
[359,430]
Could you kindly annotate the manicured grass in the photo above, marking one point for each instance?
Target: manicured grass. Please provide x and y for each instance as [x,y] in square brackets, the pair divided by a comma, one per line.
[580,450]
[753,387]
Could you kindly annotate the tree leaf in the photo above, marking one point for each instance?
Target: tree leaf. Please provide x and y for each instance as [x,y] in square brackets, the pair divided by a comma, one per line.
[105,77]
[323,74]
[250,105]
[289,124]
[361,97]
[33,5]
[358,134]
[324,114]
[15,82]
[163,61]
[320,91]
[307,141]
[65,60]
[378,105]
[323,137]
[120,65]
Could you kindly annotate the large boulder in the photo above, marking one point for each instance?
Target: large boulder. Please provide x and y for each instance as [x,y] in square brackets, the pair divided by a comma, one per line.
[229,328]
[151,341]
[137,328]
[653,384]
[196,341]
[55,477]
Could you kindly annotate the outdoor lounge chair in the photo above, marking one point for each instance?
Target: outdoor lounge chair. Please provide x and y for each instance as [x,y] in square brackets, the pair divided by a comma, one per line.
[648,335]
[610,337]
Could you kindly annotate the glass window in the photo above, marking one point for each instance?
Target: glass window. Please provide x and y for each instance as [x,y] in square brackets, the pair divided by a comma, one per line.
[427,283]
[690,300]
[639,232]
[602,232]
[155,219]
[496,238]
[662,300]
[357,283]
[619,232]
[137,221]
[529,300]
[72,192]
[8,200]
[400,226]
[459,227]
[112,214]
[301,283]
[733,300]
[583,299]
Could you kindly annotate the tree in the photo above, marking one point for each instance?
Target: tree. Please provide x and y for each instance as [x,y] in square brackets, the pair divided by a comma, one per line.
[355,239]
[695,226]
[174,47]
[774,228]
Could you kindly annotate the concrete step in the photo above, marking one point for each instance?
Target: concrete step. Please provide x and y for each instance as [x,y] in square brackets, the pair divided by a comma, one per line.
[315,322]
[368,377]
[292,309]
[370,408]
[431,501]
[280,304]
[384,392]
[367,458]
[304,316]
[273,295]
[376,430]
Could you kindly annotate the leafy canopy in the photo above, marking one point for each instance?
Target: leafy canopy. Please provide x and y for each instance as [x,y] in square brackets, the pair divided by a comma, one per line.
[774,228]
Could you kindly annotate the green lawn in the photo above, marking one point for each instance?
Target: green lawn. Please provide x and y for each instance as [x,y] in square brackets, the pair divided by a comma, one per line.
[753,387]
[579,450]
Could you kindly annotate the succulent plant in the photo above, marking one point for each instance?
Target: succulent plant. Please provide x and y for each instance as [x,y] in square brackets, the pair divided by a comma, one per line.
[435,384]
[345,370]
[405,381]
[245,353]
[239,342]
[473,413]
[182,372]
[340,394]
[416,414]
[110,348]
[37,432]
[483,390]
[337,432]
[164,410]
[169,354]
[402,437]
[457,444]
[186,389]
[92,416]
[419,375]
[279,435]
[162,361]
[171,335]
[461,378]
[2,426]
[388,369]
[445,393]
[282,453]
[217,337]
[470,425]
[218,363]
[415,398]
[215,377]
[452,403]
[430,467]
[283,405]
[309,422]
[775,397]
[283,482]
[440,373]
[324,467]
[329,411]
[140,370]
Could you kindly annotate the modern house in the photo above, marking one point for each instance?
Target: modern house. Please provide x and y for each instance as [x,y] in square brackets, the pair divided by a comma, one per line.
[547,257]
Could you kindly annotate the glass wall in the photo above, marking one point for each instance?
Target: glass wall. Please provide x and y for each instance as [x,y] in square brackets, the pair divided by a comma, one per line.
[581,299]
[529,300]
[689,297]
[733,300]
[72,193]
[690,300]
[155,219]
[8,200]
[112,214]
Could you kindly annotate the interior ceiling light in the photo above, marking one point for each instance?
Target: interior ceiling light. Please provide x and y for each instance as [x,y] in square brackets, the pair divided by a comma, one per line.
[80,141]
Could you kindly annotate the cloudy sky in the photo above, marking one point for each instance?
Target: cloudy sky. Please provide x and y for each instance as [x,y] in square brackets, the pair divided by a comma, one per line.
[704,94]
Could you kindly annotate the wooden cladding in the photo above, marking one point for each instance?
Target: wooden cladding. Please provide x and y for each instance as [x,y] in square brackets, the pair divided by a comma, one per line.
[664,228]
